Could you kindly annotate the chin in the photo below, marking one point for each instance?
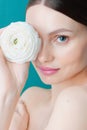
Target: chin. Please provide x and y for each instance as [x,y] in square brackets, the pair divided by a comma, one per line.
[54,79]
[50,80]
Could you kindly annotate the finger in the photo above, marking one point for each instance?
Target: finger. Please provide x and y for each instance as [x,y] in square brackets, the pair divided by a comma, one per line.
[2,57]
[20,119]
[1,30]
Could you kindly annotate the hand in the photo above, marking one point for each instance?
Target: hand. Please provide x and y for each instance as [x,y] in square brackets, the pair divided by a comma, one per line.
[20,120]
[12,79]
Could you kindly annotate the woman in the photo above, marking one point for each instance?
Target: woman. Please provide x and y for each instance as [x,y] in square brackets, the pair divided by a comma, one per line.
[61,62]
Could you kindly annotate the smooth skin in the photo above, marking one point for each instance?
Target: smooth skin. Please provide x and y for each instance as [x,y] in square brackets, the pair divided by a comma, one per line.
[64,47]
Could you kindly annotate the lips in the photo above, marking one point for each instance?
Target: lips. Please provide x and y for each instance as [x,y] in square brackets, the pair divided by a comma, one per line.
[48,70]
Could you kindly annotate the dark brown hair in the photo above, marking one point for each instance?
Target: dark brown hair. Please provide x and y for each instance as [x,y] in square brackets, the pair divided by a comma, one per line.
[76,9]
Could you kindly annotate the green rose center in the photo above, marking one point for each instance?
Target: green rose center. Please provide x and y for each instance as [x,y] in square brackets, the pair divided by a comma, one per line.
[15,41]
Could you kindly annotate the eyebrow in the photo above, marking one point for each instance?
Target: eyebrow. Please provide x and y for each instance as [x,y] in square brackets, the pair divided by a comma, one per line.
[60,31]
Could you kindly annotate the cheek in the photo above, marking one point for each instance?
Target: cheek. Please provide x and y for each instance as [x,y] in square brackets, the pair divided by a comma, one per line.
[72,54]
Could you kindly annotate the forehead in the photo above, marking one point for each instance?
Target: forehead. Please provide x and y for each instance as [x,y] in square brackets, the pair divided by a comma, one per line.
[45,18]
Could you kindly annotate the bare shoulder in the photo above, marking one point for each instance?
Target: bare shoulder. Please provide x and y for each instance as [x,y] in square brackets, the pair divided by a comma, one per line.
[73,93]
[34,92]
[72,97]
[33,96]
[70,110]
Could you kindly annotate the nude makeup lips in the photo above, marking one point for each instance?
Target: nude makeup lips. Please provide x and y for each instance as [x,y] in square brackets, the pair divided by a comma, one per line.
[48,70]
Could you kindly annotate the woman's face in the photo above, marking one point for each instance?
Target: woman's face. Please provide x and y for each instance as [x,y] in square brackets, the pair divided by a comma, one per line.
[63,53]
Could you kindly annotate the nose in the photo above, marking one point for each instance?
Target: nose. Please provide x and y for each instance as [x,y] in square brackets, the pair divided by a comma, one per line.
[45,55]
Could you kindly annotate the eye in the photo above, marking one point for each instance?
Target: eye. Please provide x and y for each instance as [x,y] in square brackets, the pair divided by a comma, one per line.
[62,39]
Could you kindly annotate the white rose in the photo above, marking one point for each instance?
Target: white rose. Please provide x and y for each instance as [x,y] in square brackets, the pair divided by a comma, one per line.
[20,43]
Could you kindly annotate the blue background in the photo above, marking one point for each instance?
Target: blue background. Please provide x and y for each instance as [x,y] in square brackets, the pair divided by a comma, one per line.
[12,11]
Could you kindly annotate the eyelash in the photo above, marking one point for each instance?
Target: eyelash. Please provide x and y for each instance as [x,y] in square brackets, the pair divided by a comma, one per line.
[62,37]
